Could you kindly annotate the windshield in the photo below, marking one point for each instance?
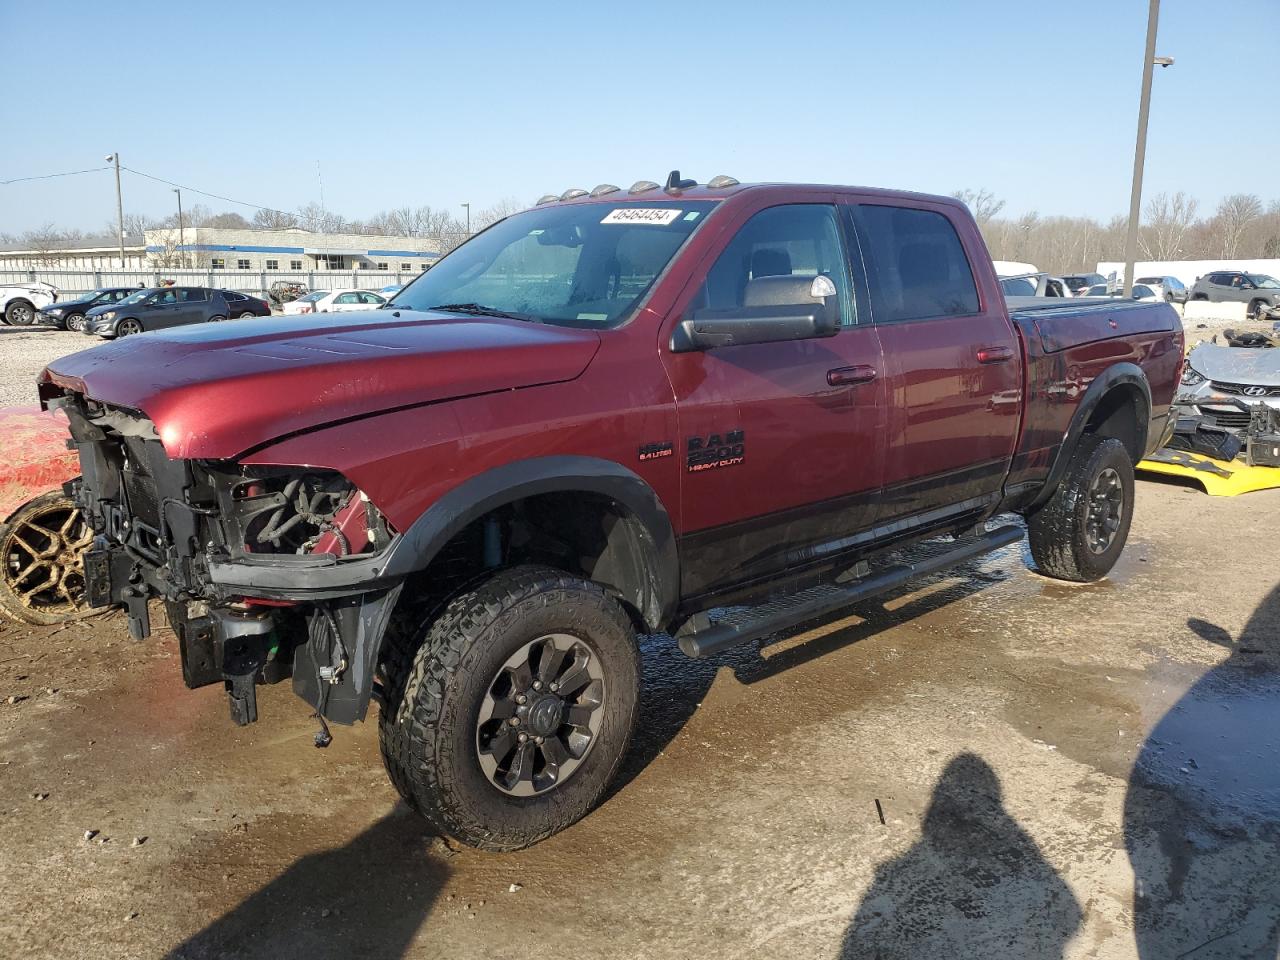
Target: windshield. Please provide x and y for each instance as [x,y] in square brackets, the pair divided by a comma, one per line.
[137,297]
[1262,280]
[581,265]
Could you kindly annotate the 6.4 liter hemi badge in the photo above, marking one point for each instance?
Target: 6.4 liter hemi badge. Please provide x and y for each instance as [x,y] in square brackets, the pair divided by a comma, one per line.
[656,451]
[717,450]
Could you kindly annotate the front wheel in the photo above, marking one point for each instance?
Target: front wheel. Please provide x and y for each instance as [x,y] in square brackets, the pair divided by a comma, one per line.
[1081,531]
[43,546]
[1258,309]
[217,318]
[511,718]
[128,328]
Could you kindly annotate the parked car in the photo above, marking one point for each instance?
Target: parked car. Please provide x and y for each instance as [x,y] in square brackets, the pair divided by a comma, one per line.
[1259,291]
[1033,285]
[1221,383]
[20,302]
[241,306]
[69,314]
[479,509]
[1170,288]
[284,291]
[43,535]
[388,293]
[334,301]
[1140,292]
[1079,283]
[155,309]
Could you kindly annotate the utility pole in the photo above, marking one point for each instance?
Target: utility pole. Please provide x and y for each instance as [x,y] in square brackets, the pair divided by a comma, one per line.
[1149,62]
[182,238]
[115,158]
[468,209]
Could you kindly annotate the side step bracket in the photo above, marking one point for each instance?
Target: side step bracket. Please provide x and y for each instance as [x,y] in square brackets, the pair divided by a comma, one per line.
[713,632]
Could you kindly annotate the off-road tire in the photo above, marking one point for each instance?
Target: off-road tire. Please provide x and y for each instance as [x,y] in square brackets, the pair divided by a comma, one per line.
[19,313]
[1058,531]
[428,722]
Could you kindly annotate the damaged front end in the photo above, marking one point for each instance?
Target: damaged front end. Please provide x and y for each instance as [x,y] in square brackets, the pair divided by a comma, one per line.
[266,573]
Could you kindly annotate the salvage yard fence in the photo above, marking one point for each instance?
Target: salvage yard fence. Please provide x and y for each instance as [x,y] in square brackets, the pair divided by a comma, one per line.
[254,282]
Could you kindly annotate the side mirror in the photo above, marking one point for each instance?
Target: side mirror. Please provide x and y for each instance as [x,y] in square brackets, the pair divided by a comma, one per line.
[775,309]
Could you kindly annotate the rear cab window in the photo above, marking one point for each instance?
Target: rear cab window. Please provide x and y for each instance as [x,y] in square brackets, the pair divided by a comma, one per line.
[916,264]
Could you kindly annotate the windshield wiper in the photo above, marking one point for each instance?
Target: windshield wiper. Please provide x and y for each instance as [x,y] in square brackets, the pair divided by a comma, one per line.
[479,309]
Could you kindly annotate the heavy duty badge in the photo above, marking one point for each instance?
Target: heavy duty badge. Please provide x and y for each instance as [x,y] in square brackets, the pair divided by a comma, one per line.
[717,450]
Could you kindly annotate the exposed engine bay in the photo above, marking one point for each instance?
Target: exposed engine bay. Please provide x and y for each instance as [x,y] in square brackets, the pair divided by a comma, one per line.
[164,528]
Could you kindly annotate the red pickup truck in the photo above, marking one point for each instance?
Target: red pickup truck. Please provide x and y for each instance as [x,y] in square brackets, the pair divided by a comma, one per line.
[691,409]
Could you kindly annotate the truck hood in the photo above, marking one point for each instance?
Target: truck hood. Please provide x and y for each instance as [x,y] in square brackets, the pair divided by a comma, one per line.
[215,390]
[1247,366]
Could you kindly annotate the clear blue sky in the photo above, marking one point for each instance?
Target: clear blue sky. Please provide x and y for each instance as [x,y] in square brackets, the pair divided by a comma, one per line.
[439,104]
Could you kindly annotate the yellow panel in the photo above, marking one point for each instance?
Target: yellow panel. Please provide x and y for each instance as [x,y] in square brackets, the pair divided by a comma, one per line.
[1243,478]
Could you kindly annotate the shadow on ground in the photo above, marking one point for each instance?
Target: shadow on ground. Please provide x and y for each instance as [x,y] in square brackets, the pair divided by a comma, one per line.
[367,898]
[1202,814]
[974,884]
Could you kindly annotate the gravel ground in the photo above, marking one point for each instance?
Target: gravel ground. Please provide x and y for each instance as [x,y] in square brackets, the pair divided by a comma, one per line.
[25,351]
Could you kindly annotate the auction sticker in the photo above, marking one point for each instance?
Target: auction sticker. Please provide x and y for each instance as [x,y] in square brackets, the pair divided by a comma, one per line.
[661,216]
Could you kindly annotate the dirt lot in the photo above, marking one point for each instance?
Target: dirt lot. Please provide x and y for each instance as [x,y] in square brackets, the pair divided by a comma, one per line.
[990,765]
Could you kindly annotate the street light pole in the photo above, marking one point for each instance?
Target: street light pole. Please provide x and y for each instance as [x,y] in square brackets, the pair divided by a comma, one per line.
[182,239]
[115,158]
[1140,148]
[468,208]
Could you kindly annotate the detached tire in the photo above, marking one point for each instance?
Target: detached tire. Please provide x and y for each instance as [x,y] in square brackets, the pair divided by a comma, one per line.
[516,709]
[42,547]
[1080,533]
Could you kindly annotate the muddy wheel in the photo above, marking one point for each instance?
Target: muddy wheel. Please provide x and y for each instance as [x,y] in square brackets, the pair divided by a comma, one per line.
[74,323]
[516,710]
[127,328]
[43,547]
[19,313]
[1080,533]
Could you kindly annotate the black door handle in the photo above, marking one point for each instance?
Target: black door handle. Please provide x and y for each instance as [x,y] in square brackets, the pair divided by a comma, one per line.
[844,376]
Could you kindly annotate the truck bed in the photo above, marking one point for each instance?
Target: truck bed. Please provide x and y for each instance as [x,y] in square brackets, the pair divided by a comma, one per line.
[1062,324]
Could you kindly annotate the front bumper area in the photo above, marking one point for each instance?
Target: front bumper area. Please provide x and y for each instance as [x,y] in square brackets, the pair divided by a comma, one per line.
[256,588]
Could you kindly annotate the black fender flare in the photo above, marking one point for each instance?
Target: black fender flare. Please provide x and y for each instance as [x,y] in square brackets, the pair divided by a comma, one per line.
[656,599]
[1117,375]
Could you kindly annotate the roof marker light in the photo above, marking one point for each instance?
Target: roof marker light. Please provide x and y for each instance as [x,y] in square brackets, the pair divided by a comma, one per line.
[642,186]
[720,182]
[604,188]
[547,198]
[573,193]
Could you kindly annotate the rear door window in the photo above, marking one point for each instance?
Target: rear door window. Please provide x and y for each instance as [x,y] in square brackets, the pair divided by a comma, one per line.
[917,265]
[192,295]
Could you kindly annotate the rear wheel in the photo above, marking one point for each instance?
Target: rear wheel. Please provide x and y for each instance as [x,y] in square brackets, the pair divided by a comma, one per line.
[19,313]
[247,315]
[1080,533]
[75,322]
[42,546]
[516,708]
[127,328]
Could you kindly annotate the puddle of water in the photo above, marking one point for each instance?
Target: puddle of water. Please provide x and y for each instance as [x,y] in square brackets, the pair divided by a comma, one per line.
[1218,746]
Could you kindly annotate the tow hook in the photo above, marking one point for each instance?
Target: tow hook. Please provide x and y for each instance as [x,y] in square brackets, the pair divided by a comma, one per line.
[246,641]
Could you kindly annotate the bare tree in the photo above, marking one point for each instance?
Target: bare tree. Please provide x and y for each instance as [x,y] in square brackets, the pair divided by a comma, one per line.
[168,252]
[499,211]
[982,203]
[1167,218]
[226,221]
[1232,218]
[274,220]
[44,243]
[317,218]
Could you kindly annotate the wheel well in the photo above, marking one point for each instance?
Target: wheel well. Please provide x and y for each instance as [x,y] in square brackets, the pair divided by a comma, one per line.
[1122,414]
[586,534]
